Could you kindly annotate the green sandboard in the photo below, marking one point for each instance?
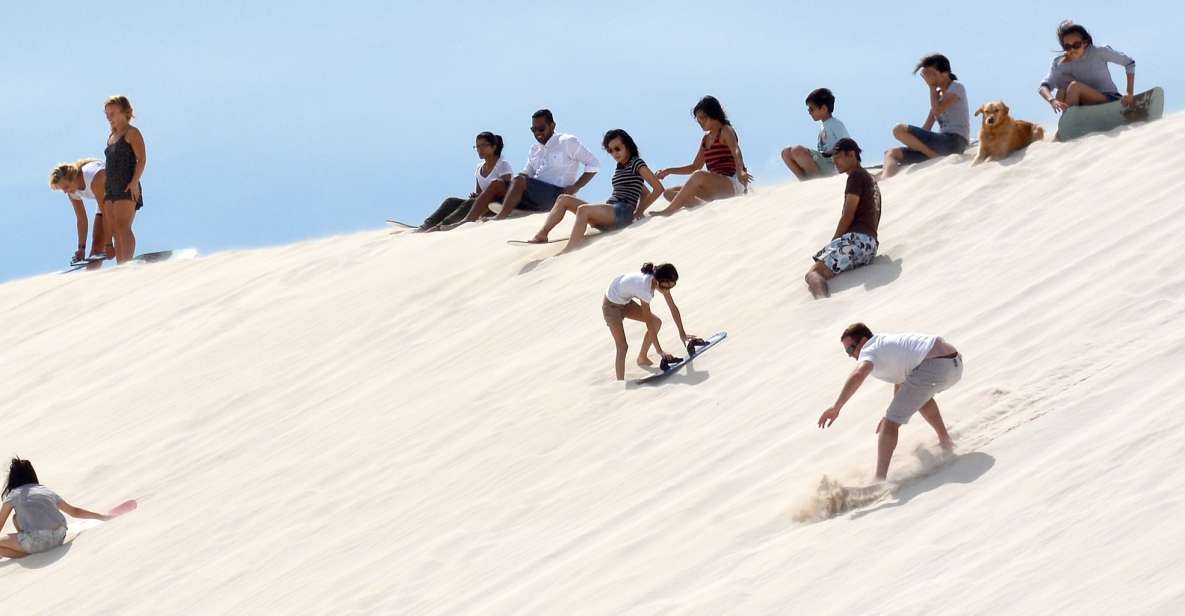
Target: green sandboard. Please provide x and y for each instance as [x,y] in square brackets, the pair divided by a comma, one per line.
[1078,121]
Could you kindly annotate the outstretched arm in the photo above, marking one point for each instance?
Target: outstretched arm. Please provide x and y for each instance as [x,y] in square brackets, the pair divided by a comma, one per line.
[666,293]
[855,380]
[80,223]
[79,512]
[685,169]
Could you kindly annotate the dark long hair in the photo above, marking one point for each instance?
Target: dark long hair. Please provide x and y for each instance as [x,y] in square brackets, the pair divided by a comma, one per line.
[663,273]
[711,108]
[492,139]
[20,473]
[937,62]
[626,140]
[1069,27]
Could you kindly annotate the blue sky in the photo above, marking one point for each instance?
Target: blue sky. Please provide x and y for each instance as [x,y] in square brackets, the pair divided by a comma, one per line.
[268,123]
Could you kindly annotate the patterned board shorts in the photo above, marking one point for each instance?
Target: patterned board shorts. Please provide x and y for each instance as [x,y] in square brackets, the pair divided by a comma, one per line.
[37,541]
[847,252]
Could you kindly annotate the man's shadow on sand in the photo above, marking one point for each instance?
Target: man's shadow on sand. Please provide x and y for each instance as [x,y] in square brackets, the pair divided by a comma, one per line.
[882,271]
[966,468]
[39,561]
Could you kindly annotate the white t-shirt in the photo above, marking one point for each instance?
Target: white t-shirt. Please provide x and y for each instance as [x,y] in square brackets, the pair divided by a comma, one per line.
[501,168]
[89,171]
[628,287]
[831,132]
[894,356]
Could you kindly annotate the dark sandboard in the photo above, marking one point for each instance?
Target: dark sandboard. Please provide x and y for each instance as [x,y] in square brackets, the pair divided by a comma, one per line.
[1078,121]
[399,223]
[527,243]
[655,378]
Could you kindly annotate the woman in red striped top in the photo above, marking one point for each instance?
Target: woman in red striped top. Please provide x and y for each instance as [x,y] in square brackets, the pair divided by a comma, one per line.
[720,151]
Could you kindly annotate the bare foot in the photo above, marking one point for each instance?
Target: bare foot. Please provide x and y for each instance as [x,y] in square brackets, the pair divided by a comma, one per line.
[644,361]
[538,239]
[947,444]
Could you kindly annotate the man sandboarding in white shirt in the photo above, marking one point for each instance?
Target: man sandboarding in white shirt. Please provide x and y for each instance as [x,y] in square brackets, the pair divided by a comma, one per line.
[919,366]
[552,166]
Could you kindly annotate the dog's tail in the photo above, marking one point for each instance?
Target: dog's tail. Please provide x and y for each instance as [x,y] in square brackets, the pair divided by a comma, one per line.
[1038,132]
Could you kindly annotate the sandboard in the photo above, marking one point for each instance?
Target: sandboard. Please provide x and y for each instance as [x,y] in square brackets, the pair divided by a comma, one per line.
[77,527]
[528,243]
[399,223]
[1079,120]
[711,342]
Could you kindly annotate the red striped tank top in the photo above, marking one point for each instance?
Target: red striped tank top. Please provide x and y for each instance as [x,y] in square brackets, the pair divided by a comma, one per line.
[718,158]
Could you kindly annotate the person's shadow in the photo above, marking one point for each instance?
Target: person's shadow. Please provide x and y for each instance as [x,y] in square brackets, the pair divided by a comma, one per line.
[39,561]
[966,468]
[879,273]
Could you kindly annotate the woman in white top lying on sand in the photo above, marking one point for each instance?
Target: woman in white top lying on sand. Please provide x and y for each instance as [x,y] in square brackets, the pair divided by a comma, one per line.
[85,179]
[628,297]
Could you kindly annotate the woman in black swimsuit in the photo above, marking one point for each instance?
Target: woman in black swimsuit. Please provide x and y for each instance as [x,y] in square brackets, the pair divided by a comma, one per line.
[125,165]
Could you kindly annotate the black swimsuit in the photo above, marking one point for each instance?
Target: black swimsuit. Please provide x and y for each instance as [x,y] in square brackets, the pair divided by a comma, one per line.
[121,166]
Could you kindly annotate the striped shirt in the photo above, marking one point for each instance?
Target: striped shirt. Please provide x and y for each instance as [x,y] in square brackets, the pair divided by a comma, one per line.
[627,182]
[718,157]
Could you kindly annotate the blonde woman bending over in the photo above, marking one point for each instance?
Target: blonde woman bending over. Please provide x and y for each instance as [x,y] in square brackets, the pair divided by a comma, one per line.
[85,179]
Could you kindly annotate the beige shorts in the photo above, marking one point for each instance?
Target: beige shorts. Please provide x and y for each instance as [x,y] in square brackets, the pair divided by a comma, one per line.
[614,313]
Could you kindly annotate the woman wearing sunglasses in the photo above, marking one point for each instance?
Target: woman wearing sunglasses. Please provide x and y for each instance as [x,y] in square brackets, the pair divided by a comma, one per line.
[628,297]
[629,199]
[1080,76]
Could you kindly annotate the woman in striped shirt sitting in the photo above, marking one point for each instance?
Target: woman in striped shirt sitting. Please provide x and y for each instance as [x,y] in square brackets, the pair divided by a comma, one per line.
[630,198]
[720,151]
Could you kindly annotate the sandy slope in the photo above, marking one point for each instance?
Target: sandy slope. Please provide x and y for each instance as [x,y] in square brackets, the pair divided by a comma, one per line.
[427,424]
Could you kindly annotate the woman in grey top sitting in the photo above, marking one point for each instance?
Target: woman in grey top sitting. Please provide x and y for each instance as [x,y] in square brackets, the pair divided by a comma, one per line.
[40,525]
[1080,76]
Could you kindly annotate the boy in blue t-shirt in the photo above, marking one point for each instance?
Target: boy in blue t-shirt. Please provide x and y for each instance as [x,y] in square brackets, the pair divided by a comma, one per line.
[806,163]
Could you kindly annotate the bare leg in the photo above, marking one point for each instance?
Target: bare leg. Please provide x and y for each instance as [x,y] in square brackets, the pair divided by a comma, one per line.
[634,312]
[791,164]
[563,205]
[930,413]
[886,443]
[517,186]
[1078,93]
[599,214]
[901,132]
[11,548]
[121,215]
[702,185]
[651,339]
[802,158]
[623,346]
[892,162]
[816,280]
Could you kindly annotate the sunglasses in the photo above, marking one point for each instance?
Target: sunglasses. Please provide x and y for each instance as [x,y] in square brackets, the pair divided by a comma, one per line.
[614,148]
[1074,45]
[538,130]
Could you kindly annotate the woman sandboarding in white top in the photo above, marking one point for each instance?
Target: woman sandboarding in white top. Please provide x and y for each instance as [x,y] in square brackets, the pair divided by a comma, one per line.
[628,297]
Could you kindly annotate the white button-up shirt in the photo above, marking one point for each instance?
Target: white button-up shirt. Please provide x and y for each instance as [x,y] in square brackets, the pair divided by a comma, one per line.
[558,161]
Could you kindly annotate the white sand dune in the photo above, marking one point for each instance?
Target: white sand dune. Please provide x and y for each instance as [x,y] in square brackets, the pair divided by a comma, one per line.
[427,424]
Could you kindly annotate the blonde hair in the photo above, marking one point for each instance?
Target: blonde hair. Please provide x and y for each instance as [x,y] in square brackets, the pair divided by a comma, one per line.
[67,173]
[123,103]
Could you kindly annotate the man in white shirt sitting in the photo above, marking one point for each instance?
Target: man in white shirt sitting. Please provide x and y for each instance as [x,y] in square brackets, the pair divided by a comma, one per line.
[918,366]
[551,169]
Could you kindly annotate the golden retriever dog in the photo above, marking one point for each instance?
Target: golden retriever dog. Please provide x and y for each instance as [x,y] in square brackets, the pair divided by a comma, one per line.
[1000,135]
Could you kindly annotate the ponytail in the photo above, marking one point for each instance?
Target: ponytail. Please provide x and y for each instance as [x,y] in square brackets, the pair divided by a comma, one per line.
[492,139]
[648,269]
